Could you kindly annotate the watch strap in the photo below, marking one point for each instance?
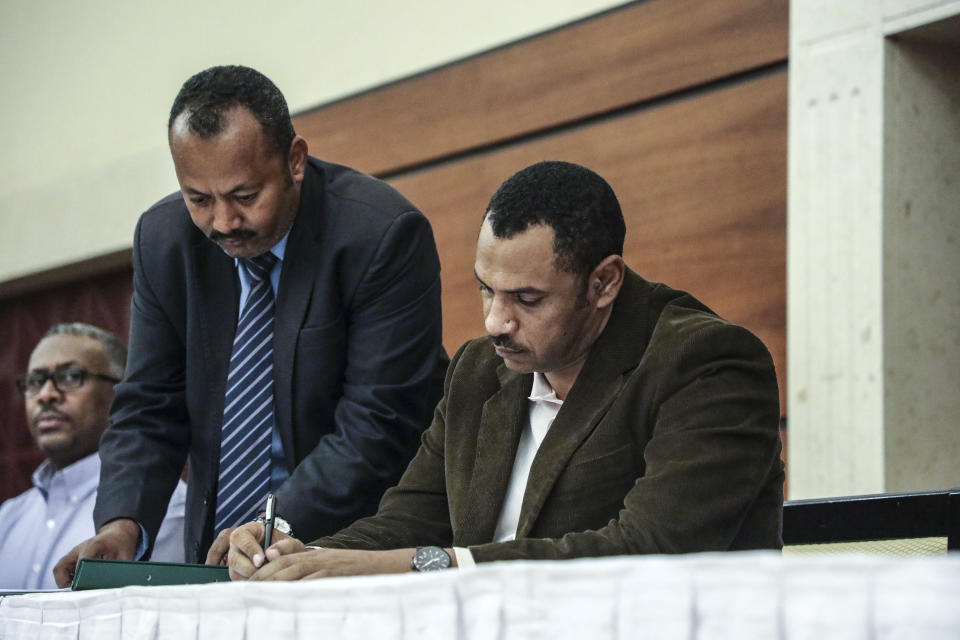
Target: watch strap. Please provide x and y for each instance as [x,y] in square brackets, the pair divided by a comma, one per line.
[279,524]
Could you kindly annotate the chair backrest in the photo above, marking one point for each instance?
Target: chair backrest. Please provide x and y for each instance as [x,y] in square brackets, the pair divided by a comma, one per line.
[894,523]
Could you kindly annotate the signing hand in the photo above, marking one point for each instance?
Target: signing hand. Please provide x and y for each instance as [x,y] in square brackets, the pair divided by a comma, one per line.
[324,563]
[245,553]
[220,548]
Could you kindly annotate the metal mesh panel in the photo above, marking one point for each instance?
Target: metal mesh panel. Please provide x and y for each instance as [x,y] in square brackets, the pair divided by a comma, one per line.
[900,547]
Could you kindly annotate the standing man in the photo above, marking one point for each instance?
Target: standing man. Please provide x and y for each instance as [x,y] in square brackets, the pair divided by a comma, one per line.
[67,392]
[285,332]
[602,415]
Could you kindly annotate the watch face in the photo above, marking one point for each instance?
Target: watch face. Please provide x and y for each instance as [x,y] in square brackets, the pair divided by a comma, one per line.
[430,559]
[282,525]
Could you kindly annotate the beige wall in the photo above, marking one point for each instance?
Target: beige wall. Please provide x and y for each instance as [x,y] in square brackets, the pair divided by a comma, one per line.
[86,87]
[921,253]
[873,313]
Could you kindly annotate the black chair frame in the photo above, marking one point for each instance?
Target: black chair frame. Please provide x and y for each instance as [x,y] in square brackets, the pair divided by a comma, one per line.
[885,516]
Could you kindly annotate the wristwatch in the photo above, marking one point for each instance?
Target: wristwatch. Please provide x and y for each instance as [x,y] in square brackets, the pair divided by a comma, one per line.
[430,559]
[279,524]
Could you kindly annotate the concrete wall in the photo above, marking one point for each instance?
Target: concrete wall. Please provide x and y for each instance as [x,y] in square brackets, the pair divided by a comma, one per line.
[873,320]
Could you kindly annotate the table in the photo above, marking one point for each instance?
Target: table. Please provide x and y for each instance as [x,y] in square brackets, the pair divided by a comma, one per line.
[702,596]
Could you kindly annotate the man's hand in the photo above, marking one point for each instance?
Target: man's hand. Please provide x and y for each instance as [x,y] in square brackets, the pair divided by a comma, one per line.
[246,554]
[220,548]
[325,563]
[116,540]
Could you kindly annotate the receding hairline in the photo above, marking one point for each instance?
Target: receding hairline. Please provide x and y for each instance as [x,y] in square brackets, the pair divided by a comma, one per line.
[182,129]
[559,261]
[113,348]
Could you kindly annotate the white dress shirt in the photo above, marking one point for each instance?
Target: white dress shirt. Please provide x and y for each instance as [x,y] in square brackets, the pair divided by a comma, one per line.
[544,406]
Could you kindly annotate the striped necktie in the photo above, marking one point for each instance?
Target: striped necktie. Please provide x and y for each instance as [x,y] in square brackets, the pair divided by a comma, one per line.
[248,414]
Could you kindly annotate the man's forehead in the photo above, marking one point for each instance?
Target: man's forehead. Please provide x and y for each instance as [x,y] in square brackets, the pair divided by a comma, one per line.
[534,240]
[61,349]
[525,262]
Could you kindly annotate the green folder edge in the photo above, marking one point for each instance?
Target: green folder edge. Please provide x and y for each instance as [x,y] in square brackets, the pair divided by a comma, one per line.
[95,573]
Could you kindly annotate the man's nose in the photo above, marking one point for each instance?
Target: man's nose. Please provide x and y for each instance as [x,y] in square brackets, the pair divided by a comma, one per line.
[48,393]
[226,216]
[499,320]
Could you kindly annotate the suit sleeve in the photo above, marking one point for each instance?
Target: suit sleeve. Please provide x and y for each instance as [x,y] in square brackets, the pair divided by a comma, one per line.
[712,458]
[392,381]
[416,511]
[144,449]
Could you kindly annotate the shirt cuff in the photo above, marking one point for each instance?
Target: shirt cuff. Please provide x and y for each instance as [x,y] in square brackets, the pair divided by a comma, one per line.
[464,558]
[142,543]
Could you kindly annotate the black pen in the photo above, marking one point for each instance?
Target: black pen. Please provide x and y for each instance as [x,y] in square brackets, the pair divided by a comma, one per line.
[268,520]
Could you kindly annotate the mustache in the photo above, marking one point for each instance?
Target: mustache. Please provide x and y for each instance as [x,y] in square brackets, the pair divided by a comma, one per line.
[236,234]
[506,342]
[47,412]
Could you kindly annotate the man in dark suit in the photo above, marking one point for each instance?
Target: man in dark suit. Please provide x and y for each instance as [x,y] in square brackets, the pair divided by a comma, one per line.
[603,415]
[357,361]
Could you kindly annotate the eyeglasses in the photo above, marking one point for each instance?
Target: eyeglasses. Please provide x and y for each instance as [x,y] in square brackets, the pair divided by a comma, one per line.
[66,379]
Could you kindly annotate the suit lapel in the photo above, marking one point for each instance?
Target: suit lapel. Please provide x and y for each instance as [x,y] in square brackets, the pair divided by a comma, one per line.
[578,417]
[293,298]
[501,423]
[618,350]
[216,278]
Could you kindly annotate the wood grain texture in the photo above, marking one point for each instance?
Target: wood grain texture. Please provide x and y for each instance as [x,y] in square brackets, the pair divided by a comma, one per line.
[702,183]
[106,264]
[619,58]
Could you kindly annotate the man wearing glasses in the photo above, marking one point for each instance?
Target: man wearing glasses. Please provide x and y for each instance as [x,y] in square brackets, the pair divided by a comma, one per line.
[67,392]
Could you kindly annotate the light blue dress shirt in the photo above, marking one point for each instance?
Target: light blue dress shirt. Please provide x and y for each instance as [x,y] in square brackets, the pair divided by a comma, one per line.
[41,525]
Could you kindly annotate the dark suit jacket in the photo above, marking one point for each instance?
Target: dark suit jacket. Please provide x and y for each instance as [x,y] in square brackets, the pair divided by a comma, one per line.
[668,442]
[357,353]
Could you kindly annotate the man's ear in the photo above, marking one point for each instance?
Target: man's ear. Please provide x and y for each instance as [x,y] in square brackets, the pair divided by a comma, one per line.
[606,280]
[297,158]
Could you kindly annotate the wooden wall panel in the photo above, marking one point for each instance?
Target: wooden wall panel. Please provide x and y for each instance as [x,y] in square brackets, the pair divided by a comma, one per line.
[631,54]
[702,183]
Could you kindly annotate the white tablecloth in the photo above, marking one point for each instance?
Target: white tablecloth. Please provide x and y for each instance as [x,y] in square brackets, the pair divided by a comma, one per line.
[702,596]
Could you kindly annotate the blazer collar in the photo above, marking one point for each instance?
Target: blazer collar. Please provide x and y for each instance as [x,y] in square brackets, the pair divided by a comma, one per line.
[616,352]
[215,277]
[501,421]
[293,297]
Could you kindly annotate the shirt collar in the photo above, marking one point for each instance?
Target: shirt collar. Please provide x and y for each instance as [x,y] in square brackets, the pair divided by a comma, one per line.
[79,477]
[278,249]
[542,391]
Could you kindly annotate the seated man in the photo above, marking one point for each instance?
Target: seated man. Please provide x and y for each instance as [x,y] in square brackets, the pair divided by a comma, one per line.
[67,392]
[603,415]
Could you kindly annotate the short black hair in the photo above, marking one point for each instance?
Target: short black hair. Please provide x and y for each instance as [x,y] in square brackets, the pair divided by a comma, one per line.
[575,202]
[113,346]
[209,94]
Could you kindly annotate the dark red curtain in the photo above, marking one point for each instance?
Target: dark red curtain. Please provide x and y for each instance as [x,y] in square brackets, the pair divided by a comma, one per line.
[103,301]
